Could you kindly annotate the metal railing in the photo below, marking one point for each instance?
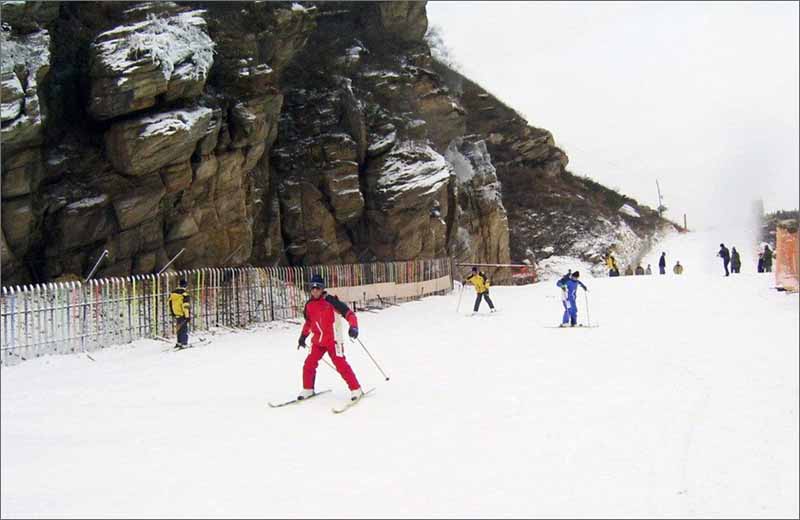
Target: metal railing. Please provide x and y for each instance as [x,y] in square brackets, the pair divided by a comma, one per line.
[68,317]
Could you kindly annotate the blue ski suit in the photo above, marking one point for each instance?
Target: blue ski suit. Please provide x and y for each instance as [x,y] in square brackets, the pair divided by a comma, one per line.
[569,286]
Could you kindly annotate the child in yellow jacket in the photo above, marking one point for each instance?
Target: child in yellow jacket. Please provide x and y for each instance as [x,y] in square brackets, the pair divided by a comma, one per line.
[481,283]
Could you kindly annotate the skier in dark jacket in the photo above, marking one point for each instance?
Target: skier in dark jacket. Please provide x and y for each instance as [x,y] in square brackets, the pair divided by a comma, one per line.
[736,262]
[767,259]
[760,262]
[726,257]
[662,264]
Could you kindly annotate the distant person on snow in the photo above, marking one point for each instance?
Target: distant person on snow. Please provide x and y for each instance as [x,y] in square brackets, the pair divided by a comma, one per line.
[767,259]
[320,315]
[481,283]
[180,309]
[760,262]
[628,271]
[678,269]
[649,270]
[611,263]
[726,257]
[639,270]
[662,263]
[736,262]
[569,287]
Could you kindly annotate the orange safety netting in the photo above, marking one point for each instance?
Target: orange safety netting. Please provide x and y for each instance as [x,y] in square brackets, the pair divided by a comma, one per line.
[787,256]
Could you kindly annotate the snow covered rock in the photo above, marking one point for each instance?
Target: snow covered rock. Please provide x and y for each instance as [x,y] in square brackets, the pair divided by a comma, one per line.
[143,145]
[25,63]
[627,209]
[169,54]
[480,230]
[402,188]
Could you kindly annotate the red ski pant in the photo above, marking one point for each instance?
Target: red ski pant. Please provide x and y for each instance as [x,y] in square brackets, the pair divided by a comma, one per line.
[341,364]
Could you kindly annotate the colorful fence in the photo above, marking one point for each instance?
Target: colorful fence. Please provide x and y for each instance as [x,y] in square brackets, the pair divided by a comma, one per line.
[60,318]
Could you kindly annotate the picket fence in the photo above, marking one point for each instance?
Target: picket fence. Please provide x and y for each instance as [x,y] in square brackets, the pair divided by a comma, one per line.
[68,317]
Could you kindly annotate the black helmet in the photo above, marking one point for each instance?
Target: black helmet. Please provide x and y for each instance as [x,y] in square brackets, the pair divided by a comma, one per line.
[474,269]
[183,282]
[317,281]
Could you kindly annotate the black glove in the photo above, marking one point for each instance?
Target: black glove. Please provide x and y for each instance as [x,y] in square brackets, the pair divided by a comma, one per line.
[353,332]
[301,342]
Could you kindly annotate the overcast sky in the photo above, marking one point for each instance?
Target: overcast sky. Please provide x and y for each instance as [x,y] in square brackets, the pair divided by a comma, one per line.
[701,96]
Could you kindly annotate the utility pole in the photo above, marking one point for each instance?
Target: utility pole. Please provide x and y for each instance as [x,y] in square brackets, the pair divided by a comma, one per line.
[661,207]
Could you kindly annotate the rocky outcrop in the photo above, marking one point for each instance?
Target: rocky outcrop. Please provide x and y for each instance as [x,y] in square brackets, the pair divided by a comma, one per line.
[143,145]
[480,224]
[406,190]
[24,67]
[167,54]
[263,133]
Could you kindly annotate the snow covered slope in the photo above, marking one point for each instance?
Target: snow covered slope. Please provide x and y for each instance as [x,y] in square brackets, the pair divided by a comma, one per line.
[683,403]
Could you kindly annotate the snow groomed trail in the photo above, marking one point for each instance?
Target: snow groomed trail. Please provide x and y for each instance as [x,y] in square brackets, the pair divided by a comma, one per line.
[683,403]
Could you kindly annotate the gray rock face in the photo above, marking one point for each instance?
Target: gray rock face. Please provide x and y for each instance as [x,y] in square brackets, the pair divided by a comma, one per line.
[169,53]
[25,63]
[480,228]
[403,188]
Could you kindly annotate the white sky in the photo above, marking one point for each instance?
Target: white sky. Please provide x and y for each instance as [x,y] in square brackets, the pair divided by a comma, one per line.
[701,96]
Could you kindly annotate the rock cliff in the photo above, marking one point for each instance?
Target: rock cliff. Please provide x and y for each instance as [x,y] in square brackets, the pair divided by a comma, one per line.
[264,133]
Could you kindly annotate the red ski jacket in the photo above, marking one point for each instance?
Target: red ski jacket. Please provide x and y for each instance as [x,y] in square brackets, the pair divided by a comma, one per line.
[320,319]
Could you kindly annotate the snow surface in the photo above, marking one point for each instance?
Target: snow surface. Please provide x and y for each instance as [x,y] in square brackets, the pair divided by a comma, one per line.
[684,403]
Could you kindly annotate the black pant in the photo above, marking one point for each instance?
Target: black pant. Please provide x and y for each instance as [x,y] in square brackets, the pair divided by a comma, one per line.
[182,329]
[725,262]
[478,301]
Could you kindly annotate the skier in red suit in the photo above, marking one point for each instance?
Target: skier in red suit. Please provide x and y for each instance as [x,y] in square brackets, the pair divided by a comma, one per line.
[320,320]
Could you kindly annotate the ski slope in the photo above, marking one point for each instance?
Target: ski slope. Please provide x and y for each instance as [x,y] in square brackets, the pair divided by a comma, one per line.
[683,403]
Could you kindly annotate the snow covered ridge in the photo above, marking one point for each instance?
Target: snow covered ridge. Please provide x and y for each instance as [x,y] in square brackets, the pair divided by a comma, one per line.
[163,41]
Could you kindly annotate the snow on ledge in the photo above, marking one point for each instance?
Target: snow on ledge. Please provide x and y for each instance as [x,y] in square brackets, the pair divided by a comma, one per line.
[168,123]
[627,209]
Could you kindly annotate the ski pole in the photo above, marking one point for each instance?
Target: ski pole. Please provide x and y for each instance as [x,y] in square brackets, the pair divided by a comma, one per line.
[460,294]
[372,358]
[329,364]
[586,299]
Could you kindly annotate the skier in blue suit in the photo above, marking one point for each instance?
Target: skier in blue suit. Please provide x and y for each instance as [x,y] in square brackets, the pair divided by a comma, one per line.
[569,287]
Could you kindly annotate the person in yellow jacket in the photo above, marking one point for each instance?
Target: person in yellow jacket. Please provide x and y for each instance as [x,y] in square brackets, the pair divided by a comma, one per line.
[481,283]
[180,308]
[611,263]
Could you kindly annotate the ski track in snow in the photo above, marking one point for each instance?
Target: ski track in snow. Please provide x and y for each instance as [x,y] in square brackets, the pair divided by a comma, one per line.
[683,403]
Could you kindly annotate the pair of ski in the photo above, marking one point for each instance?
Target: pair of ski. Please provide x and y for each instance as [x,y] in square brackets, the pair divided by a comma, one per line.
[336,409]
[199,342]
[579,326]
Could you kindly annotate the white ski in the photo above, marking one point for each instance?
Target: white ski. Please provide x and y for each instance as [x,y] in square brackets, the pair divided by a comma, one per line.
[349,404]
[296,400]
